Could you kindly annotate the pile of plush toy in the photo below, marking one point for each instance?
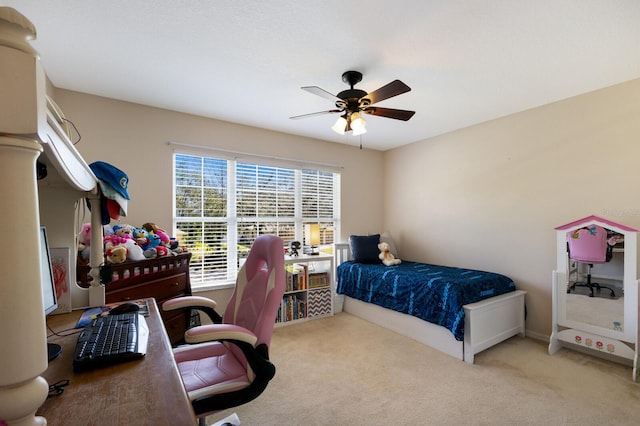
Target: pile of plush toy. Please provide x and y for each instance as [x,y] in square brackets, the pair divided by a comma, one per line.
[126,242]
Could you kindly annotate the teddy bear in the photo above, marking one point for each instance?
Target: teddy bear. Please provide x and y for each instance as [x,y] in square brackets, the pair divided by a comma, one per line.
[386,256]
[123,231]
[116,253]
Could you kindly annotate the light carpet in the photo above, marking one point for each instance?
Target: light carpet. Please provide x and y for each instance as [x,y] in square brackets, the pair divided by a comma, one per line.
[342,370]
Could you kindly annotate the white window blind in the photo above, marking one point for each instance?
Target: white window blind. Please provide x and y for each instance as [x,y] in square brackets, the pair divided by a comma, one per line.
[222,205]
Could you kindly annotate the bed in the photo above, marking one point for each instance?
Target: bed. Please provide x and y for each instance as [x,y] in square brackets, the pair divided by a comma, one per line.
[458,311]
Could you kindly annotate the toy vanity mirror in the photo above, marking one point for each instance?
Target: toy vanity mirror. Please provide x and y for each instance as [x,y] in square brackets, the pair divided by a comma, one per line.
[595,295]
[595,277]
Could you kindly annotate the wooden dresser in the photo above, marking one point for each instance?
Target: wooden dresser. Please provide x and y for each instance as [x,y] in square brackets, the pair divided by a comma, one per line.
[162,278]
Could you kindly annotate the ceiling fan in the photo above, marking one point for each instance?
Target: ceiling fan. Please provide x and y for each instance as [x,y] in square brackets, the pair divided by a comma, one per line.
[352,102]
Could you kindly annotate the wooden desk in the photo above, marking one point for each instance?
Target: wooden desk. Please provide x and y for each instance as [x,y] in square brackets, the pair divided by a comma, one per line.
[148,391]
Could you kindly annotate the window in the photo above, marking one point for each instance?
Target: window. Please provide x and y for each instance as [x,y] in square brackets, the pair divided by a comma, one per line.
[222,205]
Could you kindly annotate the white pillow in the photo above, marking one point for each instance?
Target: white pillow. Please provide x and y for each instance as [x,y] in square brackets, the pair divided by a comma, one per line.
[385,237]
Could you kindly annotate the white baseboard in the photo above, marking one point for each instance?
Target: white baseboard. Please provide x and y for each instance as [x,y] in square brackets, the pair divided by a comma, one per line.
[538,336]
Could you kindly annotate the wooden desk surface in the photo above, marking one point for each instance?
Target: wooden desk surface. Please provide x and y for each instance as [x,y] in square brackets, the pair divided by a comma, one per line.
[148,391]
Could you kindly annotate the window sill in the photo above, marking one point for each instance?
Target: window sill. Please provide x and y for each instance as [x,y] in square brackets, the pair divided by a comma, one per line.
[210,287]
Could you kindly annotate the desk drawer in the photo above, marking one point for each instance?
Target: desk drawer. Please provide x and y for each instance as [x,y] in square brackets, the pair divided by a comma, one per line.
[176,324]
[161,289]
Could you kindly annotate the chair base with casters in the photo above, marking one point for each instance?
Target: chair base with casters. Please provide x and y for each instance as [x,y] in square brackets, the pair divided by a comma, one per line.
[230,420]
[591,285]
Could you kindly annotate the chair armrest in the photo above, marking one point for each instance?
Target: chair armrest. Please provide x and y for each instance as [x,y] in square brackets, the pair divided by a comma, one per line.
[188,302]
[220,332]
[200,303]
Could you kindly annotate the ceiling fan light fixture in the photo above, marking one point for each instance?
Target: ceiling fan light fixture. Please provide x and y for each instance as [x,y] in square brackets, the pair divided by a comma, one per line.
[350,102]
[340,126]
[360,131]
[357,122]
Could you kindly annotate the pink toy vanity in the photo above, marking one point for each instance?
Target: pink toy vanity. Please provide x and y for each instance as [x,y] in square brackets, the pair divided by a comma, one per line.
[603,321]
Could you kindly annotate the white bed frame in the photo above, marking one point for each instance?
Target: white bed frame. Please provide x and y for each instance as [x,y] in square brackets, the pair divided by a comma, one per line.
[486,323]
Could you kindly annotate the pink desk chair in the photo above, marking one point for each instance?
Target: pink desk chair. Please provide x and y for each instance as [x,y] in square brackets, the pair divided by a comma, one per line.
[226,365]
[590,246]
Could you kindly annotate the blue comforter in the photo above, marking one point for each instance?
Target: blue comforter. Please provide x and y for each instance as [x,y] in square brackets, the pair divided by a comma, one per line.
[433,293]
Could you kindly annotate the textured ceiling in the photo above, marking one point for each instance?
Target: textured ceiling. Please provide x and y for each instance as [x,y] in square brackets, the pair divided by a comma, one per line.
[245,61]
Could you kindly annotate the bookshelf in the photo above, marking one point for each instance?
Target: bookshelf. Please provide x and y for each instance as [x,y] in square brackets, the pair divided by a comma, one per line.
[308,290]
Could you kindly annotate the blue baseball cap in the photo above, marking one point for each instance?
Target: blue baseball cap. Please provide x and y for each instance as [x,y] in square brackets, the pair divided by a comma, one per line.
[111,176]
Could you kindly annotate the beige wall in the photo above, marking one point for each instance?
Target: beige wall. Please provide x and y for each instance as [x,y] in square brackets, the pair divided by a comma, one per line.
[489,196]
[134,138]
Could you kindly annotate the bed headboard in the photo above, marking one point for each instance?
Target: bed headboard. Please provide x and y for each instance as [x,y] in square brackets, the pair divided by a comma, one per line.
[341,253]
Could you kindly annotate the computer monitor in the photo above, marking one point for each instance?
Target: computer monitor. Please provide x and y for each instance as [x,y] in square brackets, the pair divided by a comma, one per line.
[48,284]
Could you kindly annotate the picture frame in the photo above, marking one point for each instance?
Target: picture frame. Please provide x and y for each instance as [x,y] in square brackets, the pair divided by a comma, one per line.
[61,264]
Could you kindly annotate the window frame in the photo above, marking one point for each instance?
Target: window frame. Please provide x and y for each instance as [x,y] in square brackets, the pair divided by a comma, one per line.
[233,220]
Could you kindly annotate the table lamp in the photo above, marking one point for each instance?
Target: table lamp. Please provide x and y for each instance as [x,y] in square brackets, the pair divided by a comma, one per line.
[312,232]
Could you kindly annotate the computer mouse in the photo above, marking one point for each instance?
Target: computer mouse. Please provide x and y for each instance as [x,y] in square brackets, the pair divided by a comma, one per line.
[125,308]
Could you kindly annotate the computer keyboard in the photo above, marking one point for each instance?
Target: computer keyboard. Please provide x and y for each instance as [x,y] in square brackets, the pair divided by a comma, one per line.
[110,339]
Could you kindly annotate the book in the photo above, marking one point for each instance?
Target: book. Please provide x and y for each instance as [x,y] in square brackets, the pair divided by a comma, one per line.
[318,279]
[296,276]
[102,311]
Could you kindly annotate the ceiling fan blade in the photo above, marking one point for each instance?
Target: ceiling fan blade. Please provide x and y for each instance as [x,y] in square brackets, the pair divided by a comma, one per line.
[313,114]
[321,92]
[395,88]
[398,114]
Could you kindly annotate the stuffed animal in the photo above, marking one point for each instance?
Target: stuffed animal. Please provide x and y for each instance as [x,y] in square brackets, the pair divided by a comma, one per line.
[153,229]
[386,256]
[123,231]
[114,240]
[140,236]
[134,251]
[150,253]
[153,241]
[174,246]
[162,251]
[84,243]
[116,253]
[150,248]
[107,230]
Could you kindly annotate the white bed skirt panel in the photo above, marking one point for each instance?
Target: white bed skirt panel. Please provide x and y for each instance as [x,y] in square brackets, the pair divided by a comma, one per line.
[487,323]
